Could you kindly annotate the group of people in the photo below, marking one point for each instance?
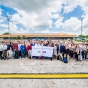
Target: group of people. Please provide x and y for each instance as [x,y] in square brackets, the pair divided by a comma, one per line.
[23,48]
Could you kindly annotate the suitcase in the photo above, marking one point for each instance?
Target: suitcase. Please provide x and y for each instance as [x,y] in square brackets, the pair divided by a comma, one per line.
[65,60]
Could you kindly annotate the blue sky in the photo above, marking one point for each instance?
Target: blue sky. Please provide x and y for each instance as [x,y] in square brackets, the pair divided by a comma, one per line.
[49,16]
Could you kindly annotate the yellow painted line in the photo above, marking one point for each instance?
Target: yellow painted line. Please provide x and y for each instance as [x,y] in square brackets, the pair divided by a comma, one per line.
[45,76]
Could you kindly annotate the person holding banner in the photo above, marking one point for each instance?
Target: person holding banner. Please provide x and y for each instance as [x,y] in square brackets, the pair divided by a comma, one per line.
[42,51]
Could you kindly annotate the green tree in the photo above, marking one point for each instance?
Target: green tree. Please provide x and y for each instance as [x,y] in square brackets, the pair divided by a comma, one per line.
[86,36]
[18,37]
[6,33]
[23,37]
[81,36]
[11,37]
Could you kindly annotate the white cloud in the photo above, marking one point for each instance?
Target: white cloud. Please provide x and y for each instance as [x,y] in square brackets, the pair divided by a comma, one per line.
[56,16]
[27,5]
[33,20]
[0,11]
[84,5]
[68,9]
[72,24]
[70,5]
[59,22]
[45,31]
[37,14]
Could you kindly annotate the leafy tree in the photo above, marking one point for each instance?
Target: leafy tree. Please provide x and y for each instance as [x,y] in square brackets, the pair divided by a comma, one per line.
[11,37]
[18,37]
[86,36]
[6,33]
[23,37]
[81,36]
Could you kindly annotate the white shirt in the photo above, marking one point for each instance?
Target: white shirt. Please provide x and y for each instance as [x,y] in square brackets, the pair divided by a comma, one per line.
[19,45]
[1,47]
[37,44]
[4,47]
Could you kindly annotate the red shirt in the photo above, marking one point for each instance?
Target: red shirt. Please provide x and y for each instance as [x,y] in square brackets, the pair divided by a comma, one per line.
[15,46]
[29,47]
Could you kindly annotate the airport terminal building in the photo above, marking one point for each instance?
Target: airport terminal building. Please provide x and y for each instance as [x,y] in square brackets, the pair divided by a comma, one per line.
[40,36]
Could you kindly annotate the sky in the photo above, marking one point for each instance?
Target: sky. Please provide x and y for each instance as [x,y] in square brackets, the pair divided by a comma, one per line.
[44,16]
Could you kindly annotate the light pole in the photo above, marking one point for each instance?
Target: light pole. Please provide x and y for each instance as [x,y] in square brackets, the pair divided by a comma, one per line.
[81,25]
[8,19]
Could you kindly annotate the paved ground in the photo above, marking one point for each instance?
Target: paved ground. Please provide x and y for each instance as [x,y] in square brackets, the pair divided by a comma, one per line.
[26,65]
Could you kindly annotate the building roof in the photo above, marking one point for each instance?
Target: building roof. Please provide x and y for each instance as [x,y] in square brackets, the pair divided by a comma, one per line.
[41,35]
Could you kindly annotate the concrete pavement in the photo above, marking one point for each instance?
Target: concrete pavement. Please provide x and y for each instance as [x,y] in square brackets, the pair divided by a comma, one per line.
[26,65]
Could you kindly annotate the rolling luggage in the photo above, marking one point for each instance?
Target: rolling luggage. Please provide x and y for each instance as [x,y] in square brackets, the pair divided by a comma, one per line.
[65,60]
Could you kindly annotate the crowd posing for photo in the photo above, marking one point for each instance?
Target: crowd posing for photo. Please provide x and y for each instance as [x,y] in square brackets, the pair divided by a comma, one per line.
[23,48]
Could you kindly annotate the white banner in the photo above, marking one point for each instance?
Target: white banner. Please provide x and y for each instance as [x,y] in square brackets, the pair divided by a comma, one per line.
[42,51]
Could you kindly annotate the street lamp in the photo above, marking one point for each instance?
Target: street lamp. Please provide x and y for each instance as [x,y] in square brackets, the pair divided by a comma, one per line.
[81,24]
[8,19]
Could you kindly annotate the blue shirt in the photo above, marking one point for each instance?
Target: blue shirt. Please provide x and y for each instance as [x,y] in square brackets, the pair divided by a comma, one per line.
[22,48]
